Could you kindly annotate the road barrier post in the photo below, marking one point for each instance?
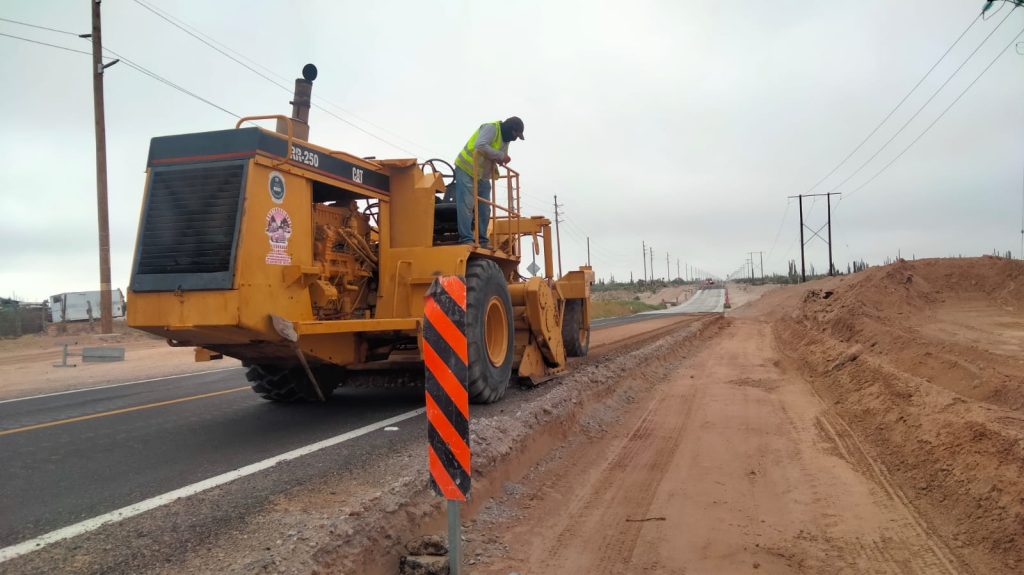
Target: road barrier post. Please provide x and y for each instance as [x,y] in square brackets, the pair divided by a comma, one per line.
[446,370]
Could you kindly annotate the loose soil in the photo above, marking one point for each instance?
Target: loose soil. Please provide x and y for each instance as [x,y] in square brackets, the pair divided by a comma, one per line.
[865,424]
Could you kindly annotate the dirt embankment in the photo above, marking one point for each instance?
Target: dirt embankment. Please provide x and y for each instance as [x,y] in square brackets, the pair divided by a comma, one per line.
[923,360]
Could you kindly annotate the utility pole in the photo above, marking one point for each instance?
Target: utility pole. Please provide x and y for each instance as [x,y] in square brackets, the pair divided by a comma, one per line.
[644,244]
[831,267]
[803,243]
[677,269]
[588,251]
[103,219]
[752,273]
[558,236]
[803,268]
[668,269]
[652,264]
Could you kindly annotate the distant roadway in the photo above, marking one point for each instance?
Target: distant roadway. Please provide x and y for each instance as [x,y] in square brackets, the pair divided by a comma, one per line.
[704,301]
[72,458]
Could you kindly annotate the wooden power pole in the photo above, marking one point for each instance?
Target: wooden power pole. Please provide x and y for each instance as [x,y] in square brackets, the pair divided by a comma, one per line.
[558,236]
[106,313]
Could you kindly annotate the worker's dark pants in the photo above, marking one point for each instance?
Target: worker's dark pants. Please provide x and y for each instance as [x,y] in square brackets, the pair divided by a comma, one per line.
[464,201]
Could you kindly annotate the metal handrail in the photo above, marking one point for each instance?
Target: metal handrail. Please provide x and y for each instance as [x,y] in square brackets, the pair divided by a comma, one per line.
[513,193]
[288,122]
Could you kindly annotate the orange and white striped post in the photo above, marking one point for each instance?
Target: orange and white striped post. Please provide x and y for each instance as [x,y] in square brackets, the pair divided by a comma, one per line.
[446,366]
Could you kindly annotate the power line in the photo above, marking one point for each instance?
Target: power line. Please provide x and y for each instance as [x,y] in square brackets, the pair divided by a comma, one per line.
[778,233]
[159,78]
[210,43]
[897,107]
[923,106]
[189,27]
[135,66]
[936,120]
[38,27]
[605,254]
[46,44]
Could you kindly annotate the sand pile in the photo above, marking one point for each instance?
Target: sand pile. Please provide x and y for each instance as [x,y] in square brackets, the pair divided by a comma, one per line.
[925,360]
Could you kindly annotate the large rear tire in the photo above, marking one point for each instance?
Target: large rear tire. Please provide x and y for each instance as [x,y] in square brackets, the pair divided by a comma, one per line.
[291,385]
[575,336]
[489,331]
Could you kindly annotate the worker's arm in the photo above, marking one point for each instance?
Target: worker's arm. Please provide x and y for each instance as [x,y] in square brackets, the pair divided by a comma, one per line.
[483,140]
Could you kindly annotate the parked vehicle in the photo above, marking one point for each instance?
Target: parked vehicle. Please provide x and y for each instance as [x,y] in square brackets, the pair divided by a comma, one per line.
[83,305]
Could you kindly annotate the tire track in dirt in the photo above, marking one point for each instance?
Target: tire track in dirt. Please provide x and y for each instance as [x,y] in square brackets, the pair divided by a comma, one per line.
[617,497]
[749,468]
[911,525]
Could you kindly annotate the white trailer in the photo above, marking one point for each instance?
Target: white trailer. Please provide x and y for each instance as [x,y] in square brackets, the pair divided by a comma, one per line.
[83,305]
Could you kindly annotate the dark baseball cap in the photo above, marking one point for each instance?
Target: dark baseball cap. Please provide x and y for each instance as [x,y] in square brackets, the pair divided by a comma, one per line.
[516,125]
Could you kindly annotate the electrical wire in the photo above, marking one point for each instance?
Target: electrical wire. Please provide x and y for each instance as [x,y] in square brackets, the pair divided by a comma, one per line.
[936,120]
[606,253]
[161,79]
[39,27]
[210,43]
[897,107]
[789,202]
[923,106]
[137,67]
[46,44]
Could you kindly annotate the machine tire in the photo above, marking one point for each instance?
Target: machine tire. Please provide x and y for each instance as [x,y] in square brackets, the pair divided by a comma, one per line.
[288,385]
[487,300]
[575,338]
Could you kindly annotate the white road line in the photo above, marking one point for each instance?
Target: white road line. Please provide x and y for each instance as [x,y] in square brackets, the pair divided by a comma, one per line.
[25,547]
[118,384]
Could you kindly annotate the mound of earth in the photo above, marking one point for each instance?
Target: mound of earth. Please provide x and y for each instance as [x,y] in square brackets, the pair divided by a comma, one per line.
[925,361]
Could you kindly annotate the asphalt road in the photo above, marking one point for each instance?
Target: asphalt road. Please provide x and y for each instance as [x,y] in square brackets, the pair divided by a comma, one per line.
[76,469]
[704,301]
[70,457]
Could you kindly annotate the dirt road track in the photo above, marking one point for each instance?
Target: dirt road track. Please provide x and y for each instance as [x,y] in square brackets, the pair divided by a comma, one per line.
[733,465]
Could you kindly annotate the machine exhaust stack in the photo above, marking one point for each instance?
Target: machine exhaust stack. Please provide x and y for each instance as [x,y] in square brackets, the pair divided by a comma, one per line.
[300,105]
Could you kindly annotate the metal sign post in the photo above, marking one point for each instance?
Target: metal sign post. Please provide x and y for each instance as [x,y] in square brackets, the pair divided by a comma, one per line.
[446,363]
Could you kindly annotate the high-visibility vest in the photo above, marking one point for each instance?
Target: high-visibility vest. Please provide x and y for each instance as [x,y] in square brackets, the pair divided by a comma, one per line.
[465,159]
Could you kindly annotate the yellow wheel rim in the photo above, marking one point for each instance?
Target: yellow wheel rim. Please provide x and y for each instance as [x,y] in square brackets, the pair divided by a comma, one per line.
[496,331]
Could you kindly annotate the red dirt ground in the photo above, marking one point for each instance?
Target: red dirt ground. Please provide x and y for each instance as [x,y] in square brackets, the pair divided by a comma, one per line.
[865,424]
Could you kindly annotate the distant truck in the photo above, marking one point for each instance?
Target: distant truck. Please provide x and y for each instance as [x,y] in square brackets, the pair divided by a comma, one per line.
[83,305]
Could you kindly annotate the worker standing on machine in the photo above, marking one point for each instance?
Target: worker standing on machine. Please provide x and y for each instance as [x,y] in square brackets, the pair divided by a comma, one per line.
[491,141]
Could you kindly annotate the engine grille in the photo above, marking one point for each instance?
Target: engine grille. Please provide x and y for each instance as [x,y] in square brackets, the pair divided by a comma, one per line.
[189,229]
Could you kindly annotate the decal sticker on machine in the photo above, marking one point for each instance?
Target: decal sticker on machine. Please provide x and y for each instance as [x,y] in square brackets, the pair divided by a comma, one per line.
[279,229]
[276,185]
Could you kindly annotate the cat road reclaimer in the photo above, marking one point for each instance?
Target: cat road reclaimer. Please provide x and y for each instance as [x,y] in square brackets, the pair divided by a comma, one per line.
[307,263]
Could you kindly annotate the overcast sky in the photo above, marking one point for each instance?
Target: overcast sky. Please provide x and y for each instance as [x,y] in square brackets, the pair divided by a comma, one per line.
[682,124]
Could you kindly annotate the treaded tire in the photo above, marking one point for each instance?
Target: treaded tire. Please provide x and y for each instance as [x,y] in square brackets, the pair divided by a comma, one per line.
[576,344]
[288,385]
[484,282]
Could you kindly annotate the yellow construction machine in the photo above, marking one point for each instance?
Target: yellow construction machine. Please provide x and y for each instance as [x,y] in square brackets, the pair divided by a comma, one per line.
[307,263]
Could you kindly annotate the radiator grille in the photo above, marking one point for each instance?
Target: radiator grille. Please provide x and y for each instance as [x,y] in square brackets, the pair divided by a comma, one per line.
[190,221]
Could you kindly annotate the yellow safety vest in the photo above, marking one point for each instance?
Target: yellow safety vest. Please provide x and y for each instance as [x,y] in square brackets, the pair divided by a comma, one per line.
[465,159]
